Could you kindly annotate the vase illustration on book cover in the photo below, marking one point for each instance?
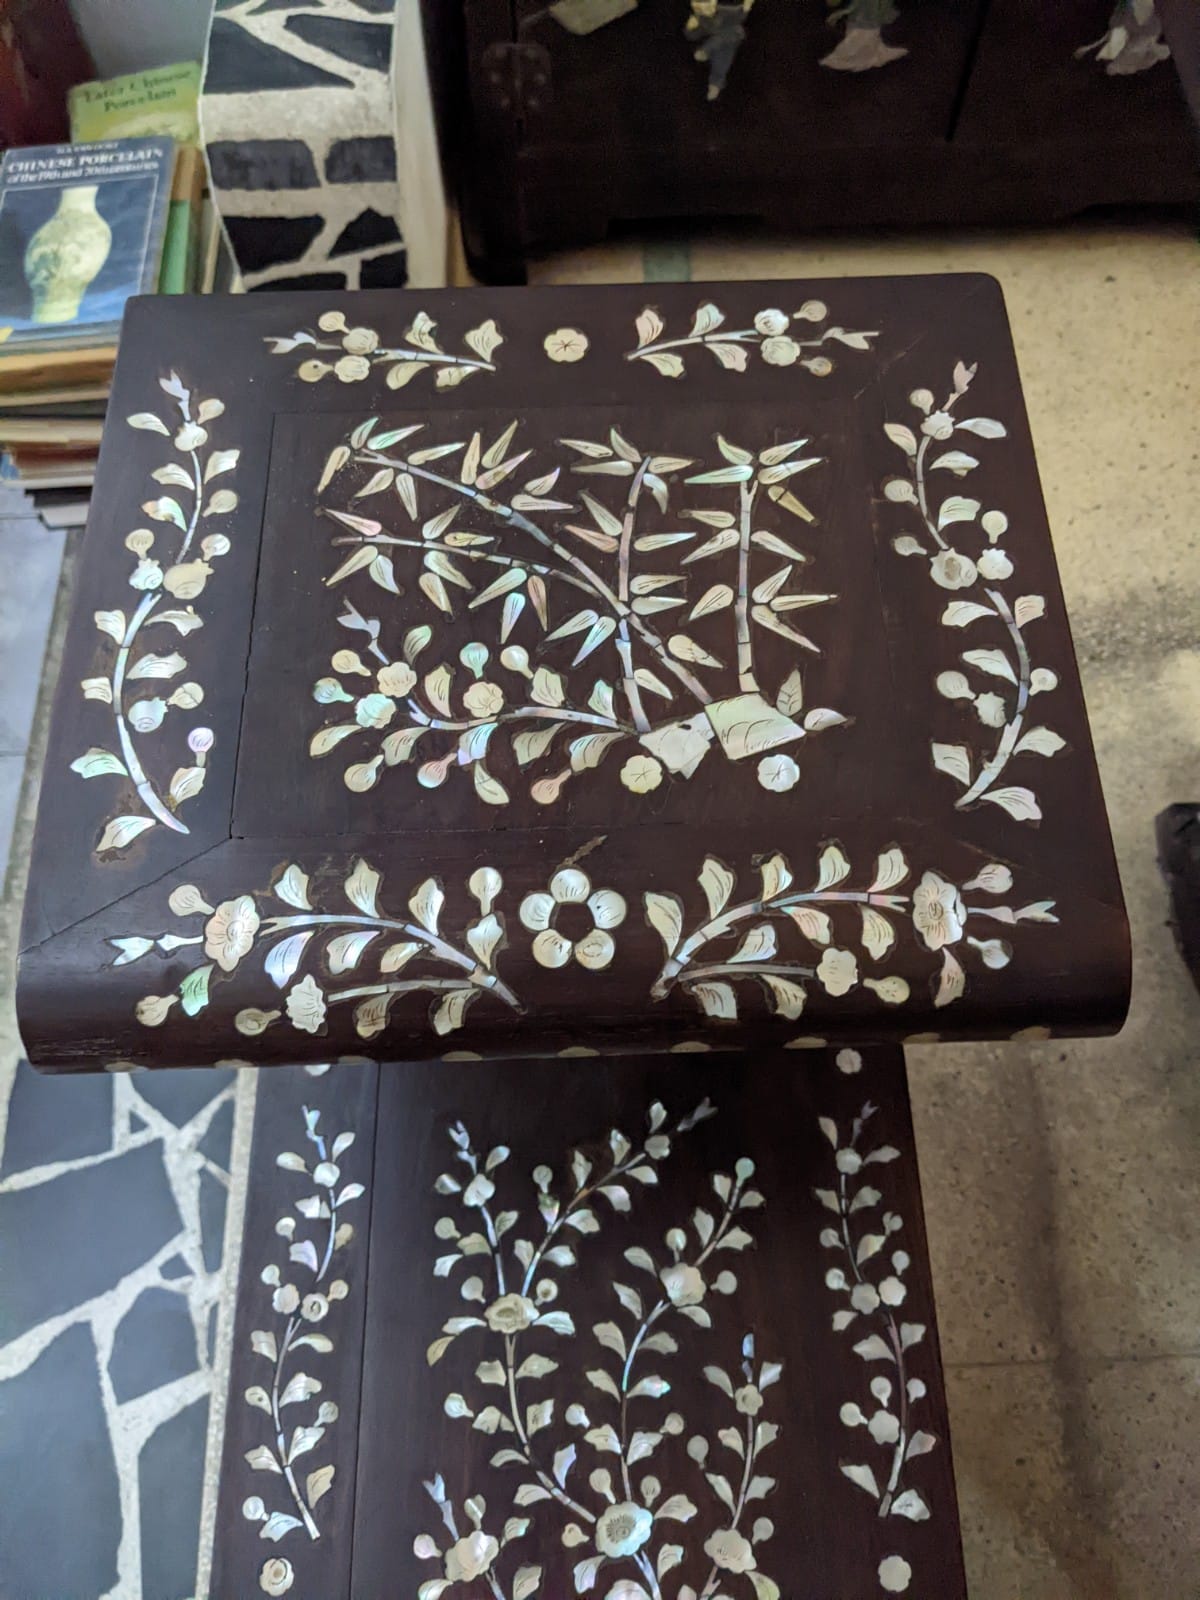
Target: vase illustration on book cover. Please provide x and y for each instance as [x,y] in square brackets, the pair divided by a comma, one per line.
[66,254]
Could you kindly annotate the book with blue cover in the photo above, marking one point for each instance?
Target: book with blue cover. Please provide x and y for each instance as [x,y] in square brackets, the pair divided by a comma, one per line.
[81,230]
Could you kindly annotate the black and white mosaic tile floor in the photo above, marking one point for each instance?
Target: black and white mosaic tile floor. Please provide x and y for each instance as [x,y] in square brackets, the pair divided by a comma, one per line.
[113,1201]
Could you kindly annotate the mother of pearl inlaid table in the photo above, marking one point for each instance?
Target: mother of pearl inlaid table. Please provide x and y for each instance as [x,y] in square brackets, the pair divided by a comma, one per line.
[630,714]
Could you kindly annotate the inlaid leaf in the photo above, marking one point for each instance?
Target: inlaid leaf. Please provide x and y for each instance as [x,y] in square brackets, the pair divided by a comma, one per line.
[994,662]
[97,689]
[345,952]
[910,1504]
[954,760]
[154,666]
[490,790]
[649,328]
[776,876]
[733,357]
[878,934]
[725,540]
[822,717]
[587,752]
[960,612]
[96,762]
[193,991]
[723,475]
[721,1488]
[602,516]
[714,599]
[957,508]
[534,742]
[122,831]
[667,362]
[951,981]
[362,888]
[148,422]
[708,317]
[685,649]
[904,437]
[426,904]
[292,888]
[548,688]
[813,923]
[717,881]
[284,958]
[1018,802]
[1040,741]
[715,999]
[956,461]
[397,956]
[787,997]
[512,579]
[863,1477]
[1028,609]
[664,913]
[437,689]
[382,572]
[451,1012]
[982,427]
[833,868]
[758,945]
[435,590]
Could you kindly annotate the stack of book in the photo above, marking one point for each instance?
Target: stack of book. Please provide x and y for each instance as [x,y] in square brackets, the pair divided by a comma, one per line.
[83,226]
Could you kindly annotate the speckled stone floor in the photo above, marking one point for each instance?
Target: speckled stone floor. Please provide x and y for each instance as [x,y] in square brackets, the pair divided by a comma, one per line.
[1061,1180]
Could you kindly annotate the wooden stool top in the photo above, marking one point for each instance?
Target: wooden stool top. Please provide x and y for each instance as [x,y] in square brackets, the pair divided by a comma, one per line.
[518,671]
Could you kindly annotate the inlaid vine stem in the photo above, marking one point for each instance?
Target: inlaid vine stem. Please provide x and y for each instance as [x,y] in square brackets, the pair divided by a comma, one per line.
[137,772]
[674,966]
[436,946]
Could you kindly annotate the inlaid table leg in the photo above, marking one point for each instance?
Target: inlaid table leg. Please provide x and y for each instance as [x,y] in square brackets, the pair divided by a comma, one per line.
[636,1329]
[287,1480]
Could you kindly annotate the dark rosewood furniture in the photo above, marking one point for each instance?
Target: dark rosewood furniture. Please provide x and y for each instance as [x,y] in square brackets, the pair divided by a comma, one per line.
[919,111]
[727,1383]
[504,672]
[605,708]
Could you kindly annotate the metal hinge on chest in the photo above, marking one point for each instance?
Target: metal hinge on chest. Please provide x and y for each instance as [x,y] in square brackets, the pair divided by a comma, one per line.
[517,77]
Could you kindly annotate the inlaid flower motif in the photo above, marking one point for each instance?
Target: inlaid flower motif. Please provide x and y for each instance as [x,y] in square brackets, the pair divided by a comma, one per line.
[152,1009]
[730,1551]
[571,887]
[306,1005]
[626,1589]
[748,1400]
[566,344]
[778,773]
[352,369]
[374,711]
[995,566]
[397,679]
[780,351]
[229,932]
[952,571]
[471,1557]
[484,699]
[277,1576]
[684,1284]
[938,425]
[895,1575]
[479,1191]
[641,774]
[512,1313]
[991,710]
[837,971]
[623,1529]
[938,911]
[361,341]
[314,1308]
[771,323]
